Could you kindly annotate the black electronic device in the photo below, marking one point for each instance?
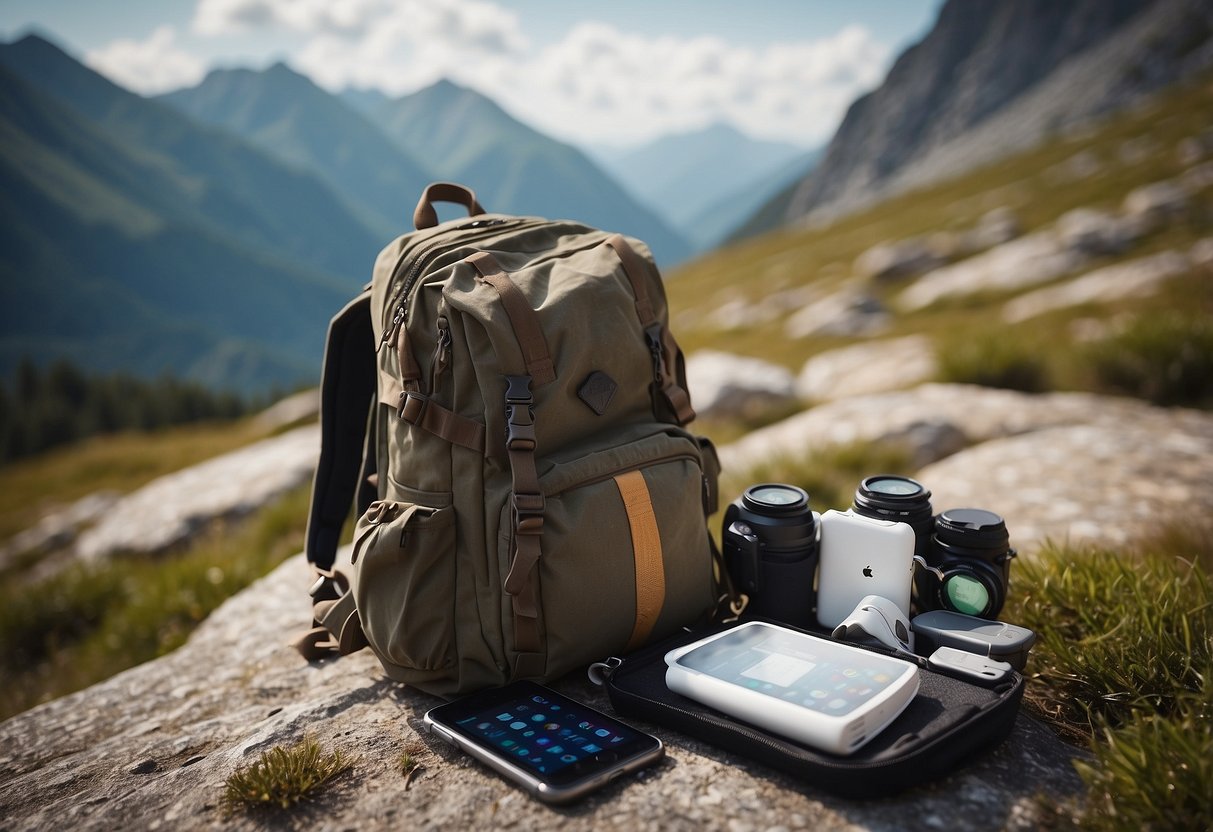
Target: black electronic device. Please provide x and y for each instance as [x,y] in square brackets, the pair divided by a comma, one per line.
[557,749]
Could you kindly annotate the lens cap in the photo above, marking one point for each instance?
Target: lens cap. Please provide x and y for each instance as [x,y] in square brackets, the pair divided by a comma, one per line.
[973,527]
[775,498]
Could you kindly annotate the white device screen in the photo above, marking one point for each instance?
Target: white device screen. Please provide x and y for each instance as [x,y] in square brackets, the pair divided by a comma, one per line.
[795,667]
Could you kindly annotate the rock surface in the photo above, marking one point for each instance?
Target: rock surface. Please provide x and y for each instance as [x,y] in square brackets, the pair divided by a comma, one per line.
[151,748]
[168,510]
[734,386]
[875,367]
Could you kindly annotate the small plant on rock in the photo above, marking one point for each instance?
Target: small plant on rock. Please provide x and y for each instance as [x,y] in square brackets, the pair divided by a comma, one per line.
[282,777]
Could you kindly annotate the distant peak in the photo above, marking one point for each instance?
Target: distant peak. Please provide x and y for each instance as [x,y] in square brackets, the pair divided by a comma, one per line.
[444,86]
[282,69]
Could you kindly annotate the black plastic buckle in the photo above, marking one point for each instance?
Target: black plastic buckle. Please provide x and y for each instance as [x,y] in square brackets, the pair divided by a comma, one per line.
[519,414]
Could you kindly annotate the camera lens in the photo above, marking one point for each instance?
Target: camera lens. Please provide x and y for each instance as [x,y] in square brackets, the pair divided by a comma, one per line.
[775,498]
[901,499]
[770,550]
[971,548]
[966,594]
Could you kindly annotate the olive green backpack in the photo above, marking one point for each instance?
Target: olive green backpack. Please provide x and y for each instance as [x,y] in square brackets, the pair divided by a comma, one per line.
[506,404]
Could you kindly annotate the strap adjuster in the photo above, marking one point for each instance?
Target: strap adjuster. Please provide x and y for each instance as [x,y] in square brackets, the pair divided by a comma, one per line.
[411,406]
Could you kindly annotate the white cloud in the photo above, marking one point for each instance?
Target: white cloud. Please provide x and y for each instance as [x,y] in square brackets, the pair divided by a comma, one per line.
[597,84]
[148,66]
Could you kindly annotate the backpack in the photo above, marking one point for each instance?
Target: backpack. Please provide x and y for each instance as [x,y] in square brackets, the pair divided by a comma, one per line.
[505,404]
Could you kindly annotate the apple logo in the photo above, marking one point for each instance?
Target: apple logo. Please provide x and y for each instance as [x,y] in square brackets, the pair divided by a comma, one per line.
[867,571]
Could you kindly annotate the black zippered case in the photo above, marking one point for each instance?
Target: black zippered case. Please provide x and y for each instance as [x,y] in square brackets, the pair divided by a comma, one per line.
[948,722]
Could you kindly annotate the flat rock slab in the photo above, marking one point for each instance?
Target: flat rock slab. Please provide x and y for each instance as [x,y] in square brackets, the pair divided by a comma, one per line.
[151,748]
[168,510]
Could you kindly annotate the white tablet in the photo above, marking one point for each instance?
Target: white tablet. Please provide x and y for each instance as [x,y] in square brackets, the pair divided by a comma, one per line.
[831,696]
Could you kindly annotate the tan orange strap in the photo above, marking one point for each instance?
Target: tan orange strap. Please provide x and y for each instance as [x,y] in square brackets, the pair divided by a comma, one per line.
[522,317]
[646,548]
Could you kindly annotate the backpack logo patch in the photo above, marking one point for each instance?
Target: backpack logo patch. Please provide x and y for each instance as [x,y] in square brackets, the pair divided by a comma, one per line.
[597,391]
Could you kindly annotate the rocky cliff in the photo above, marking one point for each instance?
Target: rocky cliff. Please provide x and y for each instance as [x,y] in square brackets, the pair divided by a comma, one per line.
[993,78]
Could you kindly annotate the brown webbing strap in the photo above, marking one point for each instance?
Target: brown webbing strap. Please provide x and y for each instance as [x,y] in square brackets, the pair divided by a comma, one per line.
[666,354]
[646,551]
[336,626]
[528,508]
[522,318]
[410,373]
[422,411]
[634,269]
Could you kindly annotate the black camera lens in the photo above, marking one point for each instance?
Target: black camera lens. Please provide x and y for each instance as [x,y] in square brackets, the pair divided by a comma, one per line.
[770,543]
[775,499]
[972,552]
[901,499]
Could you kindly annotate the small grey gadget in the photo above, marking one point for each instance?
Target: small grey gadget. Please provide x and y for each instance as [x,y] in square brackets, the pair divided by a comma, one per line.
[878,618]
[969,666]
[996,639]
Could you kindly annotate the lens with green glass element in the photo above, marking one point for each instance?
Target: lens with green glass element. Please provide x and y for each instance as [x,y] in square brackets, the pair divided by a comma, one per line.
[967,594]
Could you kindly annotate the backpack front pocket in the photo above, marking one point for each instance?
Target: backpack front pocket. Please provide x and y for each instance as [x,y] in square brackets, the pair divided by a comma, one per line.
[625,554]
[404,557]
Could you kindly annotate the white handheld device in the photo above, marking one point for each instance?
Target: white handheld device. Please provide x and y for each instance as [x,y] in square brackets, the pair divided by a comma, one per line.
[830,696]
[862,556]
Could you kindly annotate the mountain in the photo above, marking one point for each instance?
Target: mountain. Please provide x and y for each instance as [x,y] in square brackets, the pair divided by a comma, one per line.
[289,117]
[465,137]
[229,187]
[991,78]
[123,245]
[684,174]
[715,222]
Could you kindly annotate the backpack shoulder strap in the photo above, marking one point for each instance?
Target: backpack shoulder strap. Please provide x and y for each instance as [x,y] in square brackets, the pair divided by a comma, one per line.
[347,391]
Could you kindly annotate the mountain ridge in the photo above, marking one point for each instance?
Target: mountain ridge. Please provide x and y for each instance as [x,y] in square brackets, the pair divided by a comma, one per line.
[975,62]
[288,116]
[515,169]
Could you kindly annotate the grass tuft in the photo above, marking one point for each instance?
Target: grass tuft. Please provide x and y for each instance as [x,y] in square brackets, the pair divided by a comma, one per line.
[282,777]
[1166,359]
[992,359]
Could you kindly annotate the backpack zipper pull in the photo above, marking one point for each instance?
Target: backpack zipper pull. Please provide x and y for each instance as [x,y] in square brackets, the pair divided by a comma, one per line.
[601,672]
[442,352]
[389,334]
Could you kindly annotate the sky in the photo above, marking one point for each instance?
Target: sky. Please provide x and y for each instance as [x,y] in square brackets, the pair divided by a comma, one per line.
[609,73]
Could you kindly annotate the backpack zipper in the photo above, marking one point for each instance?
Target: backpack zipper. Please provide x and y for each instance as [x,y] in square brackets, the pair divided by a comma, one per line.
[423,256]
[442,353]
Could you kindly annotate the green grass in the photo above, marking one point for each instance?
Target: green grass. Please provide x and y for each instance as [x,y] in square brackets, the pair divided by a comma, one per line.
[88,623]
[1125,663]
[283,777]
[1163,358]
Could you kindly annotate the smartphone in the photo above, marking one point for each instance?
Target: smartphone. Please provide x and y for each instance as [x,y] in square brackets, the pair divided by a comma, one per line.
[831,696]
[557,749]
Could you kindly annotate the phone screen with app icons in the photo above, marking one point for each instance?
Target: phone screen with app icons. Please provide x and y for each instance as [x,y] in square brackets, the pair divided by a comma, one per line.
[551,736]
